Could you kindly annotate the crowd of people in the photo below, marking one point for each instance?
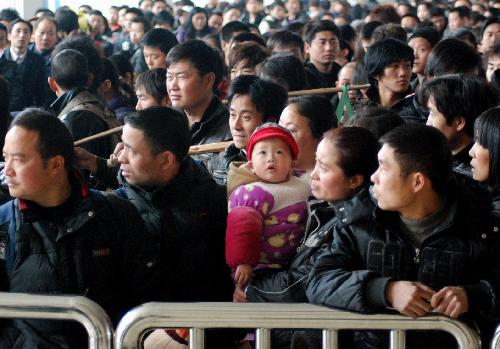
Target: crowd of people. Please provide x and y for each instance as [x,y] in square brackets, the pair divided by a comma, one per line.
[372,200]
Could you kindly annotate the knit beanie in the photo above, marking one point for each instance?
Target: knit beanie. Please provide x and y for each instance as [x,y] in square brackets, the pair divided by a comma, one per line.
[272,130]
[428,33]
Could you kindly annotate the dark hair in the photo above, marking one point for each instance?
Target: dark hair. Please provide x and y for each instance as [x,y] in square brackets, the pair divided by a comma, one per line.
[203,57]
[53,136]
[465,35]
[347,32]
[135,11]
[318,111]
[3,27]
[487,23]
[487,134]
[70,69]
[45,11]
[285,69]
[153,81]
[163,17]
[122,64]
[247,37]
[377,120]
[313,28]
[109,72]
[20,20]
[358,151]
[462,11]
[248,52]
[4,110]
[428,33]
[46,18]
[420,148]
[268,97]
[160,38]
[459,95]
[228,29]
[9,15]
[284,38]
[438,12]
[67,20]
[164,129]
[368,28]
[145,23]
[385,14]
[191,32]
[380,55]
[442,59]
[389,30]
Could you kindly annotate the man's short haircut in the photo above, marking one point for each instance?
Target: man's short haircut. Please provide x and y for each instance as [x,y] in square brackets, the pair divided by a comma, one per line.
[160,38]
[487,134]
[247,37]
[9,15]
[203,57]
[165,129]
[347,32]
[46,18]
[314,28]
[70,69]
[228,30]
[383,53]
[377,120]
[442,59]
[268,97]
[318,111]
[67,20]
[437,12]
[109,72]
[358,149]
[462,11]
[135,10]
[460,95]
[122,64]
[428,33]
[54,137]
[3,27]
[145,23]
[464,34]
[420,148]
[284,39]
[487,23]
[163,17]
[250,53]
[368,28]
[154,82]
[20,20]
[389,30]
[385,13]
[285,69]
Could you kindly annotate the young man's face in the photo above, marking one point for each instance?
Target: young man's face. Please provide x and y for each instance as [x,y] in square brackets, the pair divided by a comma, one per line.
[491,34]
[159,6]
[456,22]
[45,35]
[480,162]
[323,48]
[278,12]
[186,88]
[154,57]
[20,36]
[243,119]
[215,22]
[136,32]
[493,64]
[391,189]
[293,7]
[139,166]
[146,5]
[145,100]
[128,17]
[437,119]
[396,77]
[3,39]
[421,49]
[242,68]
[26,173]
[271,160]
[439,22]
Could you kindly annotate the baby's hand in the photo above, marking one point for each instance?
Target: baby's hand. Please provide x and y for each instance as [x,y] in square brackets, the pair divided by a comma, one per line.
[243,274]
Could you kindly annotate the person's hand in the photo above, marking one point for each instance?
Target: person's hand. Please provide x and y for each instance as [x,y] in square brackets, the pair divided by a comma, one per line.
[409,298]
[243,274]
[450,301]
[85,160]
[113,158]
[239,295]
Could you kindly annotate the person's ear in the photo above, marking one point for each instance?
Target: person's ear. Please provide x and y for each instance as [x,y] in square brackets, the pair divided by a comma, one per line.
[356,182]
[459,123]
[56,163]
[307,47]
[167,159]
[53,84]
[418,181]
[250,165]
[209,80]
[164,102]
[106,86]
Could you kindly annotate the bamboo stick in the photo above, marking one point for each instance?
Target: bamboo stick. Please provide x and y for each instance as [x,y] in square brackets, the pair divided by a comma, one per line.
[99,135]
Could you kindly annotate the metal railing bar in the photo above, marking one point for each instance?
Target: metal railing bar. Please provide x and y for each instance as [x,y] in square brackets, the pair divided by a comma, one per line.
[196,338]
[330,339]
[398,339]
[262,338]
[75,308]
[275,316]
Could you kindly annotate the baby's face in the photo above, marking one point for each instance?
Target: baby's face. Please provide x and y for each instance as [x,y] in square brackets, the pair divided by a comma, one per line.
[272,160]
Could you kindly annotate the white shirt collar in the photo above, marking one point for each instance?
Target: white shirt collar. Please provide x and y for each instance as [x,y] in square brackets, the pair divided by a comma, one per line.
[15,57]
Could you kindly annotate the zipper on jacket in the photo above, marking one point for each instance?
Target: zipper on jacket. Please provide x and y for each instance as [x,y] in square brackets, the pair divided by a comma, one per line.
[416,259]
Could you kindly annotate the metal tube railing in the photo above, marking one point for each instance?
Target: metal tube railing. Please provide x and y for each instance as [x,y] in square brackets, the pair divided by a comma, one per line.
[266,316]
[495,343]
[80,309]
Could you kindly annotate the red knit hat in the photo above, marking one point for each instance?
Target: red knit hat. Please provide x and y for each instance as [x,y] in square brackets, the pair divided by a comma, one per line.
[272,130]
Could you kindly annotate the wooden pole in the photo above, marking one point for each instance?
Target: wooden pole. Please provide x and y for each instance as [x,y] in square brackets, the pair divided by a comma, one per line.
[200,149]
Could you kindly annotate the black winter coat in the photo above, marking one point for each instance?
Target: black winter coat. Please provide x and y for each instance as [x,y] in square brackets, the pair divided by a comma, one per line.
[464,251]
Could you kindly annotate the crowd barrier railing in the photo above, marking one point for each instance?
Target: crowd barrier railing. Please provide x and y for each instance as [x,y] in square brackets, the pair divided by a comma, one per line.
[495,343]
[265,316]
[75,308]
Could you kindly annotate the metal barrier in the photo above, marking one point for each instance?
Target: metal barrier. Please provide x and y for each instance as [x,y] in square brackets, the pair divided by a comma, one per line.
[495,343]
[266,316]
[80,309]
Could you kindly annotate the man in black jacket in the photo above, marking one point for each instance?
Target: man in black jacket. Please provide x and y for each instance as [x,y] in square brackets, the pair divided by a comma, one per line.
[59,237]
[430,247]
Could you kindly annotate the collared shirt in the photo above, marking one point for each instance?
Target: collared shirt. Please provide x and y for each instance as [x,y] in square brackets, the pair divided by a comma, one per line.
[18,59]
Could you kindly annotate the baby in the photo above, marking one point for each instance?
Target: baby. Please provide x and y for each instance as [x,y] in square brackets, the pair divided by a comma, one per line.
[267,211]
